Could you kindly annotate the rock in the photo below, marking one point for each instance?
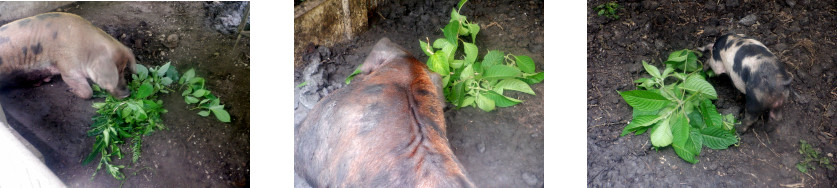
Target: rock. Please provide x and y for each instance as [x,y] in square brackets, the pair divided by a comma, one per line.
[481,147]
[790,3]
[535,47]
[172,40]
[309,97]
[530,179]
[299,115]
[312,73]
[748,20]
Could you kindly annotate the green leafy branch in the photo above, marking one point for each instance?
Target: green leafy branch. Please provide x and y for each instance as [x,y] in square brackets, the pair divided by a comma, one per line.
[469,82]
[196,92]
[679,113]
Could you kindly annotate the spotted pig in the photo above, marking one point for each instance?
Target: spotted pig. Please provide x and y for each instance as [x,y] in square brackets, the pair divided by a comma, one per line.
[60,43]
[385,129]
[754,70]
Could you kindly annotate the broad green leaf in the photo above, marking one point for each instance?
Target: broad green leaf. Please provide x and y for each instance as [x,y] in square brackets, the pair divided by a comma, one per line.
[191,100]
[468,101]
[710,114]
[162,71]
[525,63]
[678,56]
[451,32]
[514,84]
[189,91]
[729,121]
[145,90]
[639,122]
[680,129]
[696,83]
[661,134]
[354,73]
[450,51]
[637,112]
[500,100]
[500,72]
[438,63]
[456,64]
[424,48]
[166,81]
[667,71]
[98,105]
[440,43]
[644,100]
[474,30]
[718,138]
[196,80]
[199,93]
[445,81]
[203,101]
[492,58]
[689,149]
[484,103]
[454,16]
[187,76]
[641,130]
[695,141]
[142,71]
[651,69]
[458,94]
[459,5]
[470,52]
[204,113]
[696,120]
[221,114]
[534,79]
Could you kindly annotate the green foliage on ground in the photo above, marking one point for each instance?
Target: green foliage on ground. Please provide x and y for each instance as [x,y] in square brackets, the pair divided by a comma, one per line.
[469,81]
[811,158]
[139,114]
[608,10]
[676,108]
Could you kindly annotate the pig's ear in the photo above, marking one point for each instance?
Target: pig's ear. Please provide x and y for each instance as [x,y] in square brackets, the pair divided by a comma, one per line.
[383,51]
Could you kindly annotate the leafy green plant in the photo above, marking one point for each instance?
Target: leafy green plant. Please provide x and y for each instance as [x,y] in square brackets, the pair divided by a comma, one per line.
[608,10]
[195,92]
[679,111]
[469,82]
[811,157]
[133,117]
[139,115]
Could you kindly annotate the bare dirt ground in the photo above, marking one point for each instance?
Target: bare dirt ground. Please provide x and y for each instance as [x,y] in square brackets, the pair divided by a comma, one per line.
[193,151]
[801,33]
[502,148]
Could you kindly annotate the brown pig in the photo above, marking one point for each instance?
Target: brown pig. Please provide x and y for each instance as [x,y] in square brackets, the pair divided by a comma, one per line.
[385,129]
[61,43]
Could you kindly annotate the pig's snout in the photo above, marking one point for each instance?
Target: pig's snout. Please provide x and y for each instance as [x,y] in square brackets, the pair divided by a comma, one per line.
[121,92]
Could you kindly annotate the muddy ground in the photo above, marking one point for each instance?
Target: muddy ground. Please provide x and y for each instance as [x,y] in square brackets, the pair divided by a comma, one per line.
[502,148]
[801,33]
[193,150]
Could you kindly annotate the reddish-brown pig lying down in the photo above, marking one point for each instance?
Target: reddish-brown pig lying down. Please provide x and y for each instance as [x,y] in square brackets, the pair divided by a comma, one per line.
[385,129]
[55,43]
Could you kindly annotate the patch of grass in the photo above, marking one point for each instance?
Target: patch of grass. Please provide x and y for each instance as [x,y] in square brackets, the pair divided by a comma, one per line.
[678,112]
[811,158]
[608,10]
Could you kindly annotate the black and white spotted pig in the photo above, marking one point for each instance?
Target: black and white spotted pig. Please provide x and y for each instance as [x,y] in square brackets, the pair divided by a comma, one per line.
[754,70]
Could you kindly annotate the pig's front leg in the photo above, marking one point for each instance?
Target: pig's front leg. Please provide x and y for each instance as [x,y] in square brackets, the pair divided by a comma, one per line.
[78,85]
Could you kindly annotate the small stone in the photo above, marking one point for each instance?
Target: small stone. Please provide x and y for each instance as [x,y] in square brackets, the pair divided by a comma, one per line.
[748,20]
[172,40]
[830,155]
[530,179]
[791,3]
[481,147]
